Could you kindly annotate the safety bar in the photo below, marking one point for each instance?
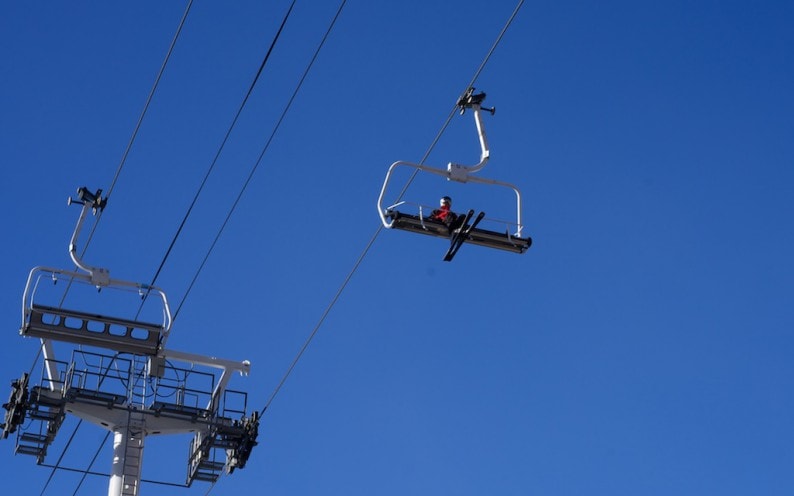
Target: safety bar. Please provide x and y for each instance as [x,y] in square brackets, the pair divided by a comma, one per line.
[141,288]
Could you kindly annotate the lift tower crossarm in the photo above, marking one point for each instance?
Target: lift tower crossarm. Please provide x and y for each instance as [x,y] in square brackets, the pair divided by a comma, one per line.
[228,367]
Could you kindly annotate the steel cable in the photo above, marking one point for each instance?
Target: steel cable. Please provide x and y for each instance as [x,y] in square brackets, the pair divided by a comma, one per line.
[112,185]
[380,227]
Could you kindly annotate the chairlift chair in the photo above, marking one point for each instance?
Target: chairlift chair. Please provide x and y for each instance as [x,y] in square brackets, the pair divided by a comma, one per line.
[419,221]
[52,321]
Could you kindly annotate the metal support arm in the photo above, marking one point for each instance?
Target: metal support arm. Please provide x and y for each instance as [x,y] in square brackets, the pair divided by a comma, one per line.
[90,201]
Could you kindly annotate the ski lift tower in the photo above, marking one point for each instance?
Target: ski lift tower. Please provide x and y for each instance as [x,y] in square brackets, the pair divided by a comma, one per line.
[138,389]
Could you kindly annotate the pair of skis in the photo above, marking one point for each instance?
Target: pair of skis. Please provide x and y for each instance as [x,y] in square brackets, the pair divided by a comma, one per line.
[461,234]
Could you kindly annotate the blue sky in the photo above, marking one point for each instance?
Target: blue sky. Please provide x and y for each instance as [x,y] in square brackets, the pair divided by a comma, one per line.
[641,346]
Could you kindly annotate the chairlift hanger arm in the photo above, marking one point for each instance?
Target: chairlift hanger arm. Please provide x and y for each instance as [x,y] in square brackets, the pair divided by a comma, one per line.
[474,102]
[90,201]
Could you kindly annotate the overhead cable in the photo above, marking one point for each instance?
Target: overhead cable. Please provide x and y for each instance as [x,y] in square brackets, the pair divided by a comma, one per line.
[221,147]
[112,185]
[380,226]
[261,156]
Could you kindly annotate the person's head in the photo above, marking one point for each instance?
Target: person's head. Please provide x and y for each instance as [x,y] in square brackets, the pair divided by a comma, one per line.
[445,201]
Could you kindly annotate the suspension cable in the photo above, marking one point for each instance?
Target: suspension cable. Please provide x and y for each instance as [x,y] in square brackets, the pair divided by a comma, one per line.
[212,165]
[112,185]
[220,149]
[322,319]
[380,226]
[105,474]
[455,107]
[244,187]
[139,123]
[91,465]
[148,100]
[261,155]
[60,458]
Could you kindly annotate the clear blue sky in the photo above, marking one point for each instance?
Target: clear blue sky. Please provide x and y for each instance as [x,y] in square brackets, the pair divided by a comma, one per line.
[643,346]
